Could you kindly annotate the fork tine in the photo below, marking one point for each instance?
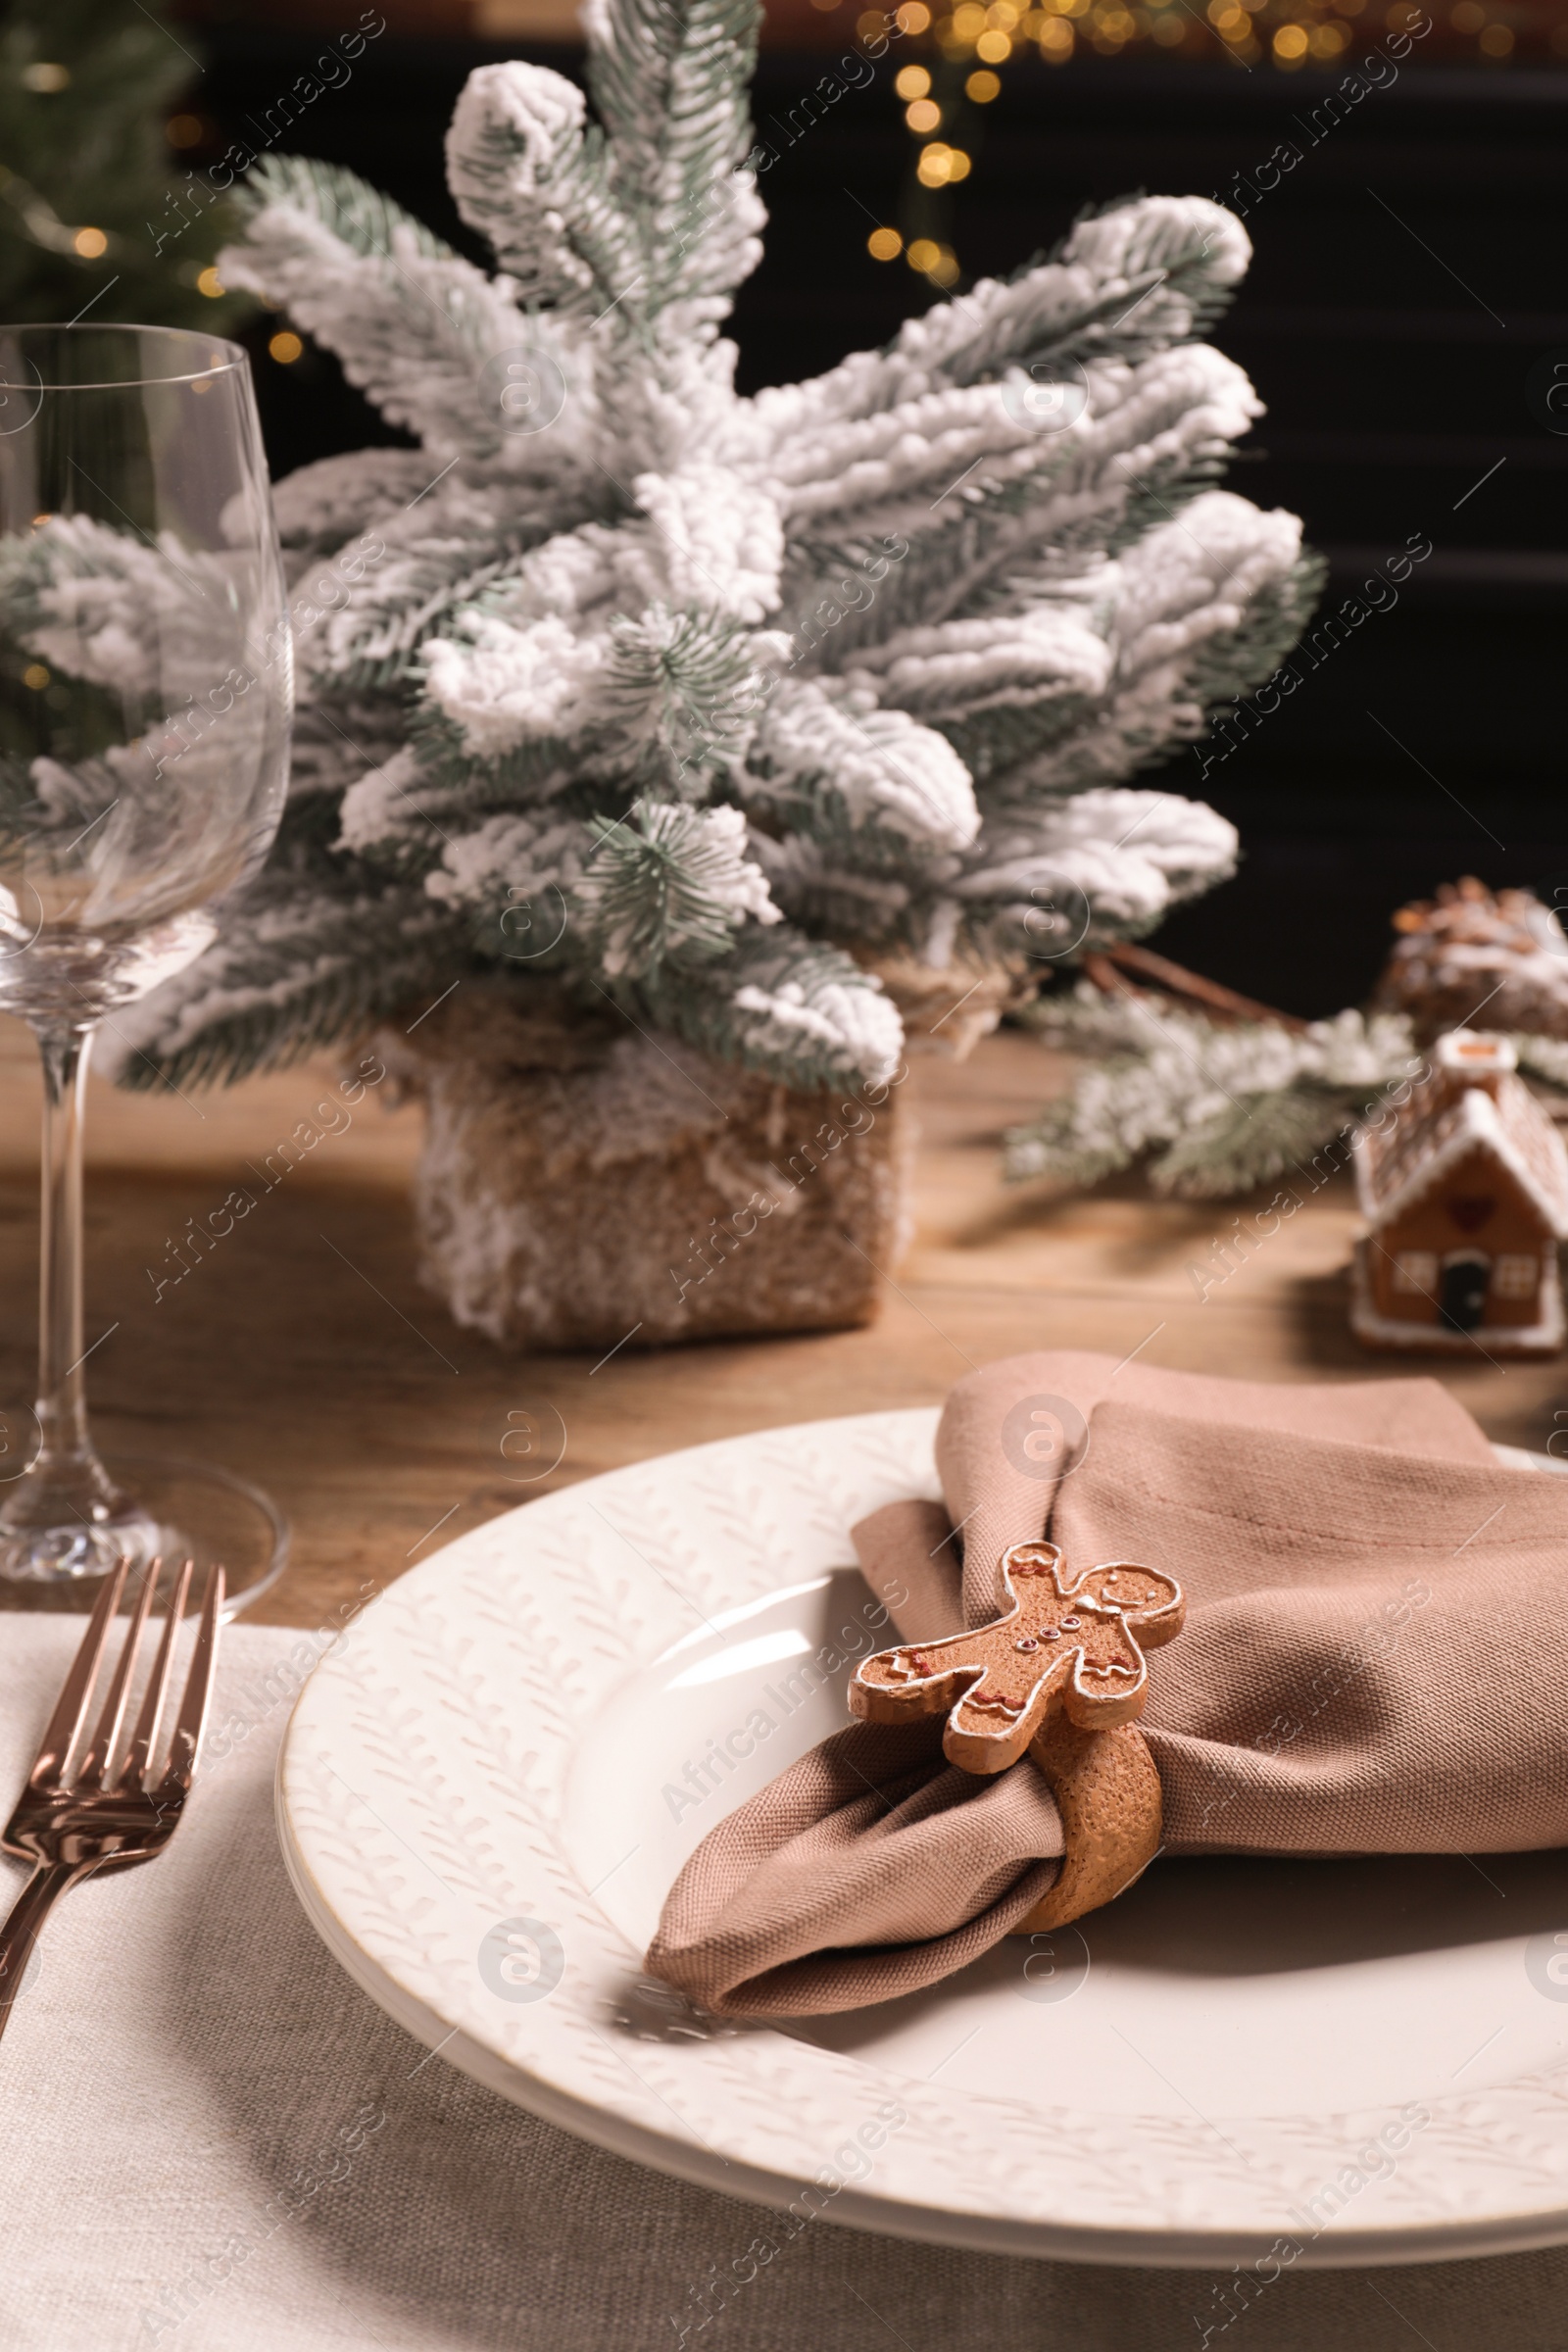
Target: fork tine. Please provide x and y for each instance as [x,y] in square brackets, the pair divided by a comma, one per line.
[71,1709]
[152,1705]
[95,1763]
[187,1737]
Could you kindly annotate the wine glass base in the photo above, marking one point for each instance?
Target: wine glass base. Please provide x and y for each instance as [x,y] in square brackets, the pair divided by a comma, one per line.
[176,1510]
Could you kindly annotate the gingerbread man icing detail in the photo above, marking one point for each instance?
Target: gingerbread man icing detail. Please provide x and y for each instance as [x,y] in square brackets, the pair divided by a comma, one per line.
[1071,1647]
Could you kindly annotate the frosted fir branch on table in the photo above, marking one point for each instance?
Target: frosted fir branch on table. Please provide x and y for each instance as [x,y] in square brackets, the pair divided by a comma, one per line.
[611,747]
[1214,1107]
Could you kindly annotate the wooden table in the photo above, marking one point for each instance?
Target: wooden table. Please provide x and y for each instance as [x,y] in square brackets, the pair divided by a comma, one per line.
[303,1355]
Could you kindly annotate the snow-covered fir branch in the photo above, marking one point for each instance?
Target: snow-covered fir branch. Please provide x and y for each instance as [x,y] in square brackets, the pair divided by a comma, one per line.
[1213,1107]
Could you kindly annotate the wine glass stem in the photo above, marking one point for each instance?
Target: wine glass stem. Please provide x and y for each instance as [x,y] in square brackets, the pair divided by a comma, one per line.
[62,1383]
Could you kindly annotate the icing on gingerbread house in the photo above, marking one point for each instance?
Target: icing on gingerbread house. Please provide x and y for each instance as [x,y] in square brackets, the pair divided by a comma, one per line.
[1465,1194]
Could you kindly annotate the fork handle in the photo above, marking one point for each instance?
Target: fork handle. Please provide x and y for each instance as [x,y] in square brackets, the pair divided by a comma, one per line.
[20,1932]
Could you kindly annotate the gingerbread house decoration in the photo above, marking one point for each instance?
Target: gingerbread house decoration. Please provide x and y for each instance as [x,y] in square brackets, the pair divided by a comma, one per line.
[1465,1194]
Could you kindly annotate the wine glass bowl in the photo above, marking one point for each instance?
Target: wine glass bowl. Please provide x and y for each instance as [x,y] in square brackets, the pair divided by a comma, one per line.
[145,699]
[145,662]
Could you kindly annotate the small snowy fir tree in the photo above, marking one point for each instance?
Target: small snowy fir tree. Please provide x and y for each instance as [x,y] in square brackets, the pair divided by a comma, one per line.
[625,684]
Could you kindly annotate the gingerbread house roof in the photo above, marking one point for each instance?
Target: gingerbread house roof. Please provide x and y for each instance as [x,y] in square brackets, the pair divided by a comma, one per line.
[1444,1123]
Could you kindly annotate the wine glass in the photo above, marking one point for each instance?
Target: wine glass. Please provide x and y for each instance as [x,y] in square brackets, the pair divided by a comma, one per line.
[146,688]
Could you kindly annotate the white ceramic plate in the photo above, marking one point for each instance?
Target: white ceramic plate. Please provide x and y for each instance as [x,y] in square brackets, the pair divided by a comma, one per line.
[485,1792]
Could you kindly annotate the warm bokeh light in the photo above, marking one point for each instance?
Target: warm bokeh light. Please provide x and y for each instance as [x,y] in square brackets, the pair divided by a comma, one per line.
[36,676]
[983,34]
[1289,34]
[210,283]
[90,243]
[45,78]
[183,130]
[285,346]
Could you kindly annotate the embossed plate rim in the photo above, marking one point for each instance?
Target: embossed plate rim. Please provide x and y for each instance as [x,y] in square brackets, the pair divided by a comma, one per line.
[755,2113]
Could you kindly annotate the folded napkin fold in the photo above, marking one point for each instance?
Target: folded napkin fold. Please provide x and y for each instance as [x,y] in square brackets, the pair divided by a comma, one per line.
[1376,1616]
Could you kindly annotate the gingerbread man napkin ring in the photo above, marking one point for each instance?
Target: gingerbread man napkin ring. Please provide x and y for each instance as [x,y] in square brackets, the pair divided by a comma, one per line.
[1060,1675]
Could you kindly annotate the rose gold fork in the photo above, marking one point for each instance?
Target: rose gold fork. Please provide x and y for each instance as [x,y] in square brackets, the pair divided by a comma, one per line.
[69,1825]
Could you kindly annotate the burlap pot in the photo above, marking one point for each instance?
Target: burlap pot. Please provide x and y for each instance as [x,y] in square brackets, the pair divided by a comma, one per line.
[581,1181]
[947,1008]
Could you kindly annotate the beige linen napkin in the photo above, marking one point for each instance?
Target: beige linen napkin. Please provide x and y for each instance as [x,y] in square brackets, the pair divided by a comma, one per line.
[1376,1619]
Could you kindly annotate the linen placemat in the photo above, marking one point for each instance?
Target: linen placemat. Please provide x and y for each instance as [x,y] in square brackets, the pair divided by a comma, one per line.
[215,2143]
